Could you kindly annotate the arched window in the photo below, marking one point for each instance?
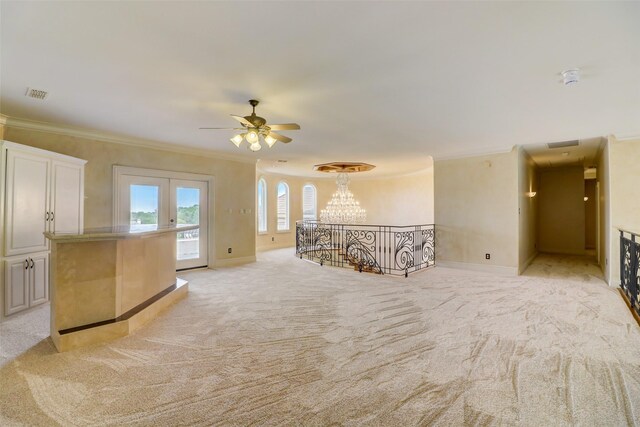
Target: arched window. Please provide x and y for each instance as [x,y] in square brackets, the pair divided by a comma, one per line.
[283,206]
[262,206]
[309,203]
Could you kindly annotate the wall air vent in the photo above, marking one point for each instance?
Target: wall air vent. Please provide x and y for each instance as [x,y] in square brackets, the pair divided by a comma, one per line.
[563,144]
[36,94]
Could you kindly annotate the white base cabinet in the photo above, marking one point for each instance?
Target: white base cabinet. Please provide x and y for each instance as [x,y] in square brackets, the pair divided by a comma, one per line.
[26,281]
[40,191]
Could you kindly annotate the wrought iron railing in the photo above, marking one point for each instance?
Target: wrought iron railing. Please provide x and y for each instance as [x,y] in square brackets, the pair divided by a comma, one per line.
[381,249]
[629,259]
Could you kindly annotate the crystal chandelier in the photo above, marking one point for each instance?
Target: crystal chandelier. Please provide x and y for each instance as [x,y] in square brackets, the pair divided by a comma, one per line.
[343,208]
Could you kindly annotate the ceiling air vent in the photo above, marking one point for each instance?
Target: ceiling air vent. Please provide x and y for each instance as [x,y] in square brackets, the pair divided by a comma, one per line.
[36,94]
[563,144]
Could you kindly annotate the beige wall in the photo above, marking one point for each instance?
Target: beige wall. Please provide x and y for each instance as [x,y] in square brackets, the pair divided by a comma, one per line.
[528,209]
[277,239]
[604,210]
[561,210]
[624,175]
[403,200]
[476,212]
[590,214]
[234,184]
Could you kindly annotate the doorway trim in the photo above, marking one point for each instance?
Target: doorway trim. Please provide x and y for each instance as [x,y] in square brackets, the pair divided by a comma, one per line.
[119,171]
[598,225]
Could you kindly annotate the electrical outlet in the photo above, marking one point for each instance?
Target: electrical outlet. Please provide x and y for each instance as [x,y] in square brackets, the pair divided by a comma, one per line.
[487,256]
[229,250]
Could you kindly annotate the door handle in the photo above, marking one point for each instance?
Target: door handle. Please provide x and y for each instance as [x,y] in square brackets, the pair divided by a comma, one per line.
[171,220]
[32,263]
[26,264]
[52,216]
[46,217]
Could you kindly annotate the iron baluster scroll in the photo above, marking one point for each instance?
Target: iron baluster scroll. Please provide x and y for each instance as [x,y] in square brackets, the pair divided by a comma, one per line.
[360,249]
[381,249]
[629,272]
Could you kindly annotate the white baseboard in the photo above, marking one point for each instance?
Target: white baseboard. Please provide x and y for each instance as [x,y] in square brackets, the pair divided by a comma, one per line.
[528,262]
[494,269]
[232,262]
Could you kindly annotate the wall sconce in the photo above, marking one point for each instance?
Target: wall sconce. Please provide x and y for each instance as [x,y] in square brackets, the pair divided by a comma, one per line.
[531,194]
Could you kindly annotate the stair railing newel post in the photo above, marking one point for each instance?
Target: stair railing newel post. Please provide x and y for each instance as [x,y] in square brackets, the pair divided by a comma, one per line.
[417,243]
[622,255]
[343,244]
[633,277]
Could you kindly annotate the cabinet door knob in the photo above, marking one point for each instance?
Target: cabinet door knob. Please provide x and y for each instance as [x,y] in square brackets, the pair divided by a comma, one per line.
[32,263]
[52,216]
[171,220]
[46,217]
[26,264]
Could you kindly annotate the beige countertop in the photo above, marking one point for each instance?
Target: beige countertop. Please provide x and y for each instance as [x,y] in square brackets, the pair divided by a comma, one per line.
[117,233]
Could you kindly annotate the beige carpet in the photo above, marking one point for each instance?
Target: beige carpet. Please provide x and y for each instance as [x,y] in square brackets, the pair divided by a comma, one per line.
[287,342]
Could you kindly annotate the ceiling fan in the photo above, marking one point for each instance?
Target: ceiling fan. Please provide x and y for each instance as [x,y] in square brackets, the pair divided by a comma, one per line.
[255,127]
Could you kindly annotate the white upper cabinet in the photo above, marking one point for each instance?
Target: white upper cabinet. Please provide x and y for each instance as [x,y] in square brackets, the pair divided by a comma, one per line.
[44,191]
[67,198]
[27,202]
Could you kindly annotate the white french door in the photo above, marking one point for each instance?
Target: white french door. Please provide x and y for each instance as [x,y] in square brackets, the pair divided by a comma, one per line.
[189,207]
[146,202]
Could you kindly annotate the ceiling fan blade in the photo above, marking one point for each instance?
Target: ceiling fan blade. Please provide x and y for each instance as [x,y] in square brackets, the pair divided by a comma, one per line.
[285,126]
[242,120]
[280,138]
[224,128]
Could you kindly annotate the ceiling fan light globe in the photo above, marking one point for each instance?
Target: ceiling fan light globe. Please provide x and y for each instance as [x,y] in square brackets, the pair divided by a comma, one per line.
[270,140]
[237,139]
[255,146]
[252,137]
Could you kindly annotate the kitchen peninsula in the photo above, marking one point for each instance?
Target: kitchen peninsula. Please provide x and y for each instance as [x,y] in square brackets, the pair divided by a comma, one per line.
[105,283]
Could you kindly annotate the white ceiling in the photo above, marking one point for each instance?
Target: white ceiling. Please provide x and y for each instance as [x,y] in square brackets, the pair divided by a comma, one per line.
[386,83]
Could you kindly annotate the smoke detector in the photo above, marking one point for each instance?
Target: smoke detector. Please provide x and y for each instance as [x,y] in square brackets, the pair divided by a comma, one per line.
[571,76]
[36,94]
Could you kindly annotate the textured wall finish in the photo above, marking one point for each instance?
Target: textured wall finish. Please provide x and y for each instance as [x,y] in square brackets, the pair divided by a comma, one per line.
[476,210]
[624,162]
[404,200]
[561,210]
[590,214]
[528,209]
[234,183]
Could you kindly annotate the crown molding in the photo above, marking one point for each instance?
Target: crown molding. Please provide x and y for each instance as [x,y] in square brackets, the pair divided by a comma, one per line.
[27,124]
[627,137]
[415,173]
[474,153]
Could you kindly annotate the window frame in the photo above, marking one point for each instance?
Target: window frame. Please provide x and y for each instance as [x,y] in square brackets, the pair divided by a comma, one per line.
[315,202]
[264,210]
[287,215]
